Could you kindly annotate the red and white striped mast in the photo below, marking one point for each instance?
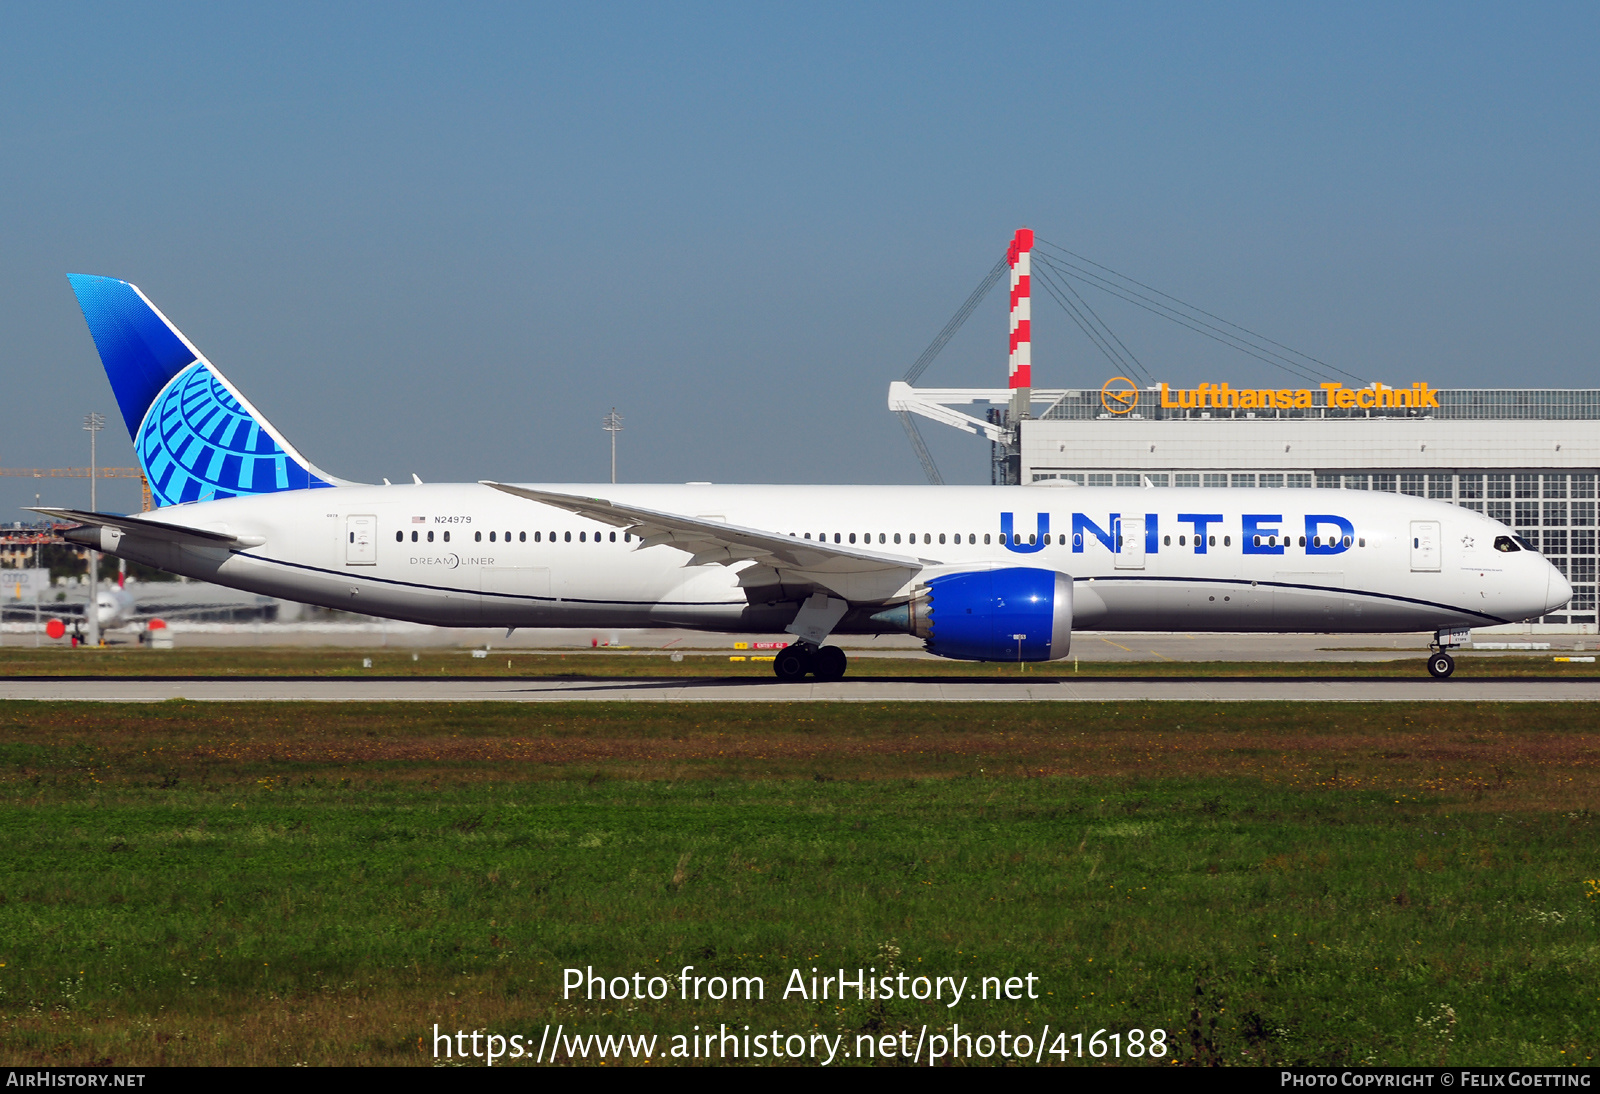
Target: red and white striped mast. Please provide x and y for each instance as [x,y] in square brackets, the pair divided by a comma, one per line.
[1018,256]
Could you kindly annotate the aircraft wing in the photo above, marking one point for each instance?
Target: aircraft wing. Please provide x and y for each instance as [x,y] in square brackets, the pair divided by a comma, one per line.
[850,572]
[152,529]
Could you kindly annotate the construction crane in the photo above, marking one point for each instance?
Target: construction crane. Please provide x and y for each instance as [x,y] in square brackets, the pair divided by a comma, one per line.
[83,473]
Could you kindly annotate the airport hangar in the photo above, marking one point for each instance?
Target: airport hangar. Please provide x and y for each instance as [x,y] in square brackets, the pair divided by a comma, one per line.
[1527,457]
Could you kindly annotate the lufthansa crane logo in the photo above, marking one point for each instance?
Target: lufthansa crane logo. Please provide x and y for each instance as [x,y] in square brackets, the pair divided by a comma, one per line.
[1119,395]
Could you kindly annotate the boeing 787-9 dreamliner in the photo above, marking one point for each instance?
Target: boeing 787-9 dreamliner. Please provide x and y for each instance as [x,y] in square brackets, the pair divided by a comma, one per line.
[979,573]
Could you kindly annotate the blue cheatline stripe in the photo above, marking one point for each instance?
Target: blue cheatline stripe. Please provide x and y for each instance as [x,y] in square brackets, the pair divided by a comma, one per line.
[345,575]
[1132,578]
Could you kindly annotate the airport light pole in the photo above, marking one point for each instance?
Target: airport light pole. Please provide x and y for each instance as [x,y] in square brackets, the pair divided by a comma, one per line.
[94,423]
[612,424]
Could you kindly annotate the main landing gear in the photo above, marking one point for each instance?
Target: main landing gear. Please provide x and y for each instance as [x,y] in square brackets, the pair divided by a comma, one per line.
[798,660]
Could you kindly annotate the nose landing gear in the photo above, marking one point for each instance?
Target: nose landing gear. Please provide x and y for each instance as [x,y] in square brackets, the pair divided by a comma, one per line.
[1440,663]
[798,660]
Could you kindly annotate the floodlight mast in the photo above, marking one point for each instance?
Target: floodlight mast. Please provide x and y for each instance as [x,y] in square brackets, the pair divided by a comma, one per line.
[93,423]
[612,424]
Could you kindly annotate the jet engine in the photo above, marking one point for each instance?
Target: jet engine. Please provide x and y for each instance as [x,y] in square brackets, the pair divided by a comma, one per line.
[1014,614]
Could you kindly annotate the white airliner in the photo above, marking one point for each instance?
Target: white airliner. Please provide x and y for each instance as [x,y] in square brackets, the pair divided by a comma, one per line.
[980,573]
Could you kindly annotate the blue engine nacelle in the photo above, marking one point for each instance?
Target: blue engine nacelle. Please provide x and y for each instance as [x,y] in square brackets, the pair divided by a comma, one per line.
[979,616]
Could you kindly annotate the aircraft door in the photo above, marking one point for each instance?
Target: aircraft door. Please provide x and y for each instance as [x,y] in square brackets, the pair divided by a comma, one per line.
[361,541]
[1424,545]
[1130,543]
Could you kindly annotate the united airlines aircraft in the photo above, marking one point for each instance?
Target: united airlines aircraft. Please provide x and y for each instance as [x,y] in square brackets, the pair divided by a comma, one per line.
[979,573]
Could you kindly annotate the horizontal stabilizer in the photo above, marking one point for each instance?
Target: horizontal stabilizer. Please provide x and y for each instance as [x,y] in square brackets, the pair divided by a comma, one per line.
[148,529]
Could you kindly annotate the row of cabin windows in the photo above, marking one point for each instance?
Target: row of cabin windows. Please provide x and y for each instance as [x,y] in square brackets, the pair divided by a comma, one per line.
[522,537]
[1061,540]
[927,537]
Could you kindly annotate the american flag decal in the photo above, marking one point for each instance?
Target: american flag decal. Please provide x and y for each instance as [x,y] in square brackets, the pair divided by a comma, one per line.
[419,520]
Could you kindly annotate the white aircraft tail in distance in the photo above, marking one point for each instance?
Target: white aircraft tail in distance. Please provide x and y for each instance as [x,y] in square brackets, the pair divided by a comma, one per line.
[979,573]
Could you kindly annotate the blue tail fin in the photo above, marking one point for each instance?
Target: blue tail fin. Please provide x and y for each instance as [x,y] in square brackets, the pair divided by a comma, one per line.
[196,436]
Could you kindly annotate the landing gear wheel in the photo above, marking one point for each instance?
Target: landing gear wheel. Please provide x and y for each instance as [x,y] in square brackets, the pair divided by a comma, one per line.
[1441,665]
[830,663]
[792,663]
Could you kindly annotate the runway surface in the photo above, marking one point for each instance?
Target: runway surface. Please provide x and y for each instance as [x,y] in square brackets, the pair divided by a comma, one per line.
[861,690]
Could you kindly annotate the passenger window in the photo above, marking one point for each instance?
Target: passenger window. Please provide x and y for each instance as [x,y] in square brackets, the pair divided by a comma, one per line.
[1183,541]
[566,537]
[1506,544]
[1362,542]
[941,537]
[613,537]
[1213,540]
[836,537]
[413,537]
[430,535]
[399,537]
[808,535]
[1227,541]
[1302,541]
[927,537]
[447,535]
[1034,536]
[536,536]
[882,538]
[852,537]
[897,537]
[522,537]
[986,537]
[1347,541]
[583,537]
[1166,541]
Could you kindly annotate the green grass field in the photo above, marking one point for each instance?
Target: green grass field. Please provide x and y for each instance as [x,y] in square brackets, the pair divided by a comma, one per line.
[239,883]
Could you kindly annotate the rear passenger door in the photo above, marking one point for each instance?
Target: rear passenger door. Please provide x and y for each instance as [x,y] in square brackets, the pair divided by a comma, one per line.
[361,540]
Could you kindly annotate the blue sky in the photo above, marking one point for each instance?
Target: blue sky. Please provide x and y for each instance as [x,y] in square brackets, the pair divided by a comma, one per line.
[444,242]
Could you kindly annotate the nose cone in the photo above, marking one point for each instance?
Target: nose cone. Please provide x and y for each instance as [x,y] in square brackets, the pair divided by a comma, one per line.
[1558,592]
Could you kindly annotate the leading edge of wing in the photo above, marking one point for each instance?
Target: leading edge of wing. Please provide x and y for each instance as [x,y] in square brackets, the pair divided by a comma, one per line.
[714,541]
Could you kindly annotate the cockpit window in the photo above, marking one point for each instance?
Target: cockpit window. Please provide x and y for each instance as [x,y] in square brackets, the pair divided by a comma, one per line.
[1508,544]
[1524,544]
